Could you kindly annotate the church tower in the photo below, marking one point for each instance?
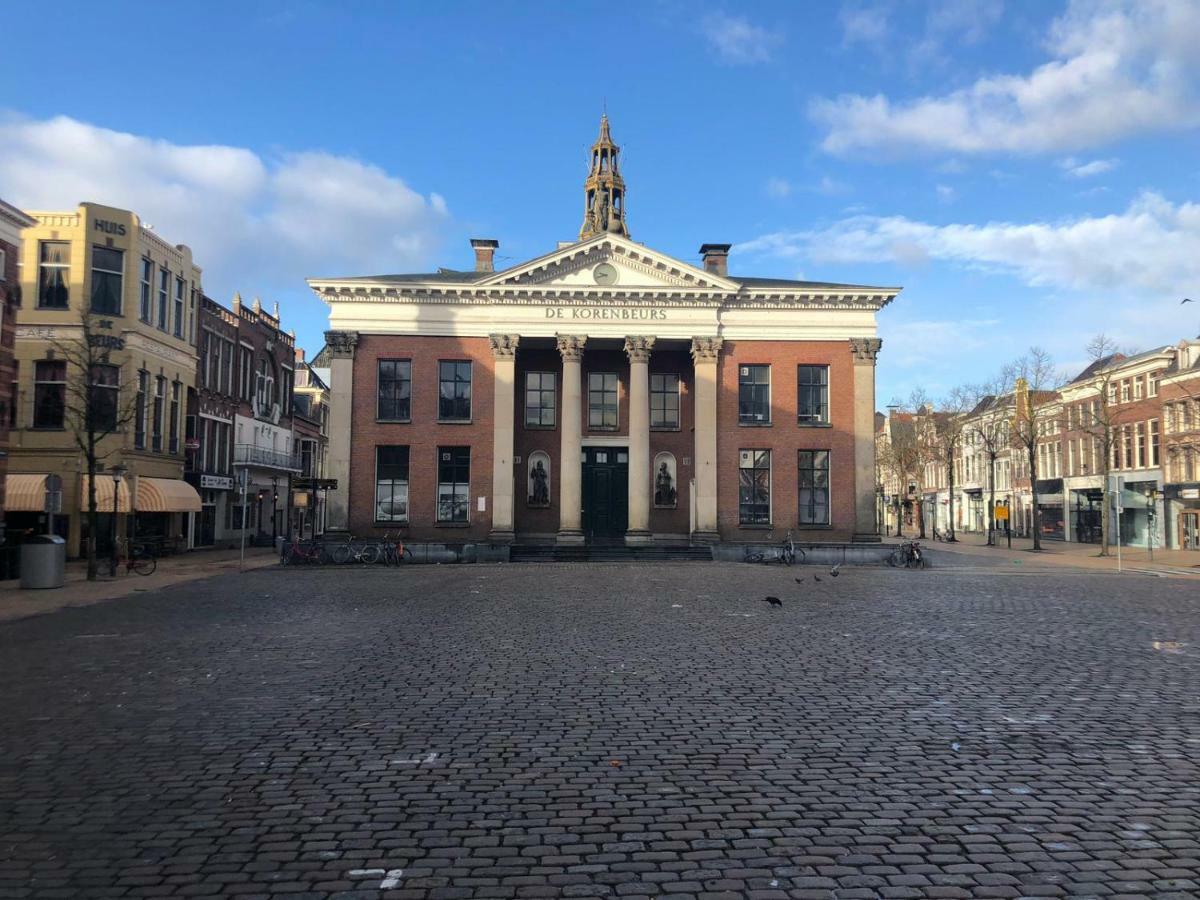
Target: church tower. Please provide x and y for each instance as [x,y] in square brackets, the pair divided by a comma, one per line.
[604,189]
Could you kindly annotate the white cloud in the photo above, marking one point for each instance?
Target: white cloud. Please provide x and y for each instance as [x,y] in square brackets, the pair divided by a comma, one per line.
[1151,249]
[1117,68]
[254,224]
[778,188]
[864,24]
[738,41]
[946,194]
[1075,168]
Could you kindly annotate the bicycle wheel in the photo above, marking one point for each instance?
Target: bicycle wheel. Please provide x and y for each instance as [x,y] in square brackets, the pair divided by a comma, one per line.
[789,556]
[369,554]
[894,559]
[143,565]
[800,555]
[288,557]
[340,553]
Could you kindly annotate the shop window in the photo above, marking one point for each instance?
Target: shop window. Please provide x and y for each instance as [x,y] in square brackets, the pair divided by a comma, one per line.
[754,487]
[454,484]
[391,484]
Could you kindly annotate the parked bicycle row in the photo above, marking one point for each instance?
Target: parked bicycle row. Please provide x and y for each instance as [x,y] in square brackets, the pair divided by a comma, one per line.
[386,551]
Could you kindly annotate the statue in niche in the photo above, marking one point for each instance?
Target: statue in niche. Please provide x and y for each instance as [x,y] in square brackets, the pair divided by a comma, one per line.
[539,485]
[664,486]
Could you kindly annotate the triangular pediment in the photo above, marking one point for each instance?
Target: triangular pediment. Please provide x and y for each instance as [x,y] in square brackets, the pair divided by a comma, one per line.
[627,265]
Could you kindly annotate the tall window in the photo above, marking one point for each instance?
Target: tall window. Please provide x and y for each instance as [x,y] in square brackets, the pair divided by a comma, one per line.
[754,395]
[226,386]
[754,487]
[105,393]
[812,396]
[146,295]
[395,390]
[1154,446]
[179,286]
[391,484]
[539,399]
[164,283]
[54,274]
[454,390]
[49,394]
[454,484]
[814,487]
[265,386]
[156,431]
[173,445]
[664,400]
[139,422]
[108,269]
[245,389]
[602,401]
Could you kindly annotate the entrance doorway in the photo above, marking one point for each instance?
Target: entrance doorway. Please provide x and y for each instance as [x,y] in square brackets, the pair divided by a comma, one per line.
[605,493]
[1189,530]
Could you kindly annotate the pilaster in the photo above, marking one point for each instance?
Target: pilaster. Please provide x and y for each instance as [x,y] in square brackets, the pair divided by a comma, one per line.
[865,351]
[706,352]
[504,352]
[342,345]
[570,466]
[638,349]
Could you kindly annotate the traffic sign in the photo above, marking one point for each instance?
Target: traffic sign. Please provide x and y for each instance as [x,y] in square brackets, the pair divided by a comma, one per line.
[1002,513]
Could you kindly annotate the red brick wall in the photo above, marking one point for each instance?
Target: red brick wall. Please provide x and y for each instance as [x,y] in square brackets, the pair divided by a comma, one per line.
[423,435]
[9,296]
[784,437]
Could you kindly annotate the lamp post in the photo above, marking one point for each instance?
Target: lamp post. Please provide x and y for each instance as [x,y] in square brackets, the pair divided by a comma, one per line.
[274,510]
[1151,498]
[118,475]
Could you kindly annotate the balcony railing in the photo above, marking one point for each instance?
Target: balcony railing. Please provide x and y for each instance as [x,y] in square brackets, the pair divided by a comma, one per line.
[250,455]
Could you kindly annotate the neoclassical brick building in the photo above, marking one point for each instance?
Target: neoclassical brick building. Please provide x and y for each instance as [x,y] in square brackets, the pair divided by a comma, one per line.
[602,392]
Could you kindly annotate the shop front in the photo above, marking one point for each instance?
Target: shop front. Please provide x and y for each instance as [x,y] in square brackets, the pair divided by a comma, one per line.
[1182,505]
[1051,514]
[1087,511]
[1139,519]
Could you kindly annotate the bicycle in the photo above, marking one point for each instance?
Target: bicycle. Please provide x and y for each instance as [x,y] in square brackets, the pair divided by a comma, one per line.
[298,553]
[138,557]
[786,554]
[393,551]
[351,552]
[908,555]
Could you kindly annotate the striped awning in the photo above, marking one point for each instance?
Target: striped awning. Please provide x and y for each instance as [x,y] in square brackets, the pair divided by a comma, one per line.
[104,495]
[166,495]
[25,493]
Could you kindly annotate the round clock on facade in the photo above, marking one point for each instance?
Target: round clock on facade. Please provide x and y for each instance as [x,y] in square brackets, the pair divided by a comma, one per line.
[605,274]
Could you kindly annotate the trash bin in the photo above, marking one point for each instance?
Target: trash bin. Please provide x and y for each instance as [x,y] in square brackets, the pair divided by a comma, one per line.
[43,561]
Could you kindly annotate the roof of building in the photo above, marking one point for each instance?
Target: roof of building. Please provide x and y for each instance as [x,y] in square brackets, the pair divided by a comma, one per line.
[456,276]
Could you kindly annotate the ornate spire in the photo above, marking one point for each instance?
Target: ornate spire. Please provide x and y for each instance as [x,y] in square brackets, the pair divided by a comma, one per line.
[604,189]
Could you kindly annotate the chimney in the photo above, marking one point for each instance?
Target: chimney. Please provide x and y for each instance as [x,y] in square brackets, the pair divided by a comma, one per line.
[485,254]
[716,258]
[299,354]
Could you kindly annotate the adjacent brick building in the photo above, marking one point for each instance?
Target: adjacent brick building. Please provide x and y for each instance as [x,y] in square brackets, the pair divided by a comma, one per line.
[601,392]
[12,220]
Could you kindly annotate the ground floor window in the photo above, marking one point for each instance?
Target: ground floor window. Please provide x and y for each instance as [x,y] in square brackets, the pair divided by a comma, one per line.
[391,484]
[754,487]
[454,484]
[814,487]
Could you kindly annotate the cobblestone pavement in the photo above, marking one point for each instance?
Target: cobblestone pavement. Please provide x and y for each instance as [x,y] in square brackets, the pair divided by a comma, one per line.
[607,731]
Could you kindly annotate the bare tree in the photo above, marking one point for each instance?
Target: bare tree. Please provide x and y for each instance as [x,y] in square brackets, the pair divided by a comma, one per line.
[1036,380]
[944,433]
[1101,418]
[96,406]
[989,422]
[901,458]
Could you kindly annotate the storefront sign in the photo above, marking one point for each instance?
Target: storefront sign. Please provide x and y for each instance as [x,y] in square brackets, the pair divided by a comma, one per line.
[621,313]
[1190,494]
[216,482]
[107,341]
[108,227]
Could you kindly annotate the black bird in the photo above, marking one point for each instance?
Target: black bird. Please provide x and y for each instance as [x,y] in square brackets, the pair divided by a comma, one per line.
[836,570]
[1185,300]
[816,578]
[774,601]
[799,581]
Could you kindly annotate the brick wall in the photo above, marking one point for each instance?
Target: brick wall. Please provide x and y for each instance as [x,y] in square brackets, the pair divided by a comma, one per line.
[10,291]
[423,435]
[784,437]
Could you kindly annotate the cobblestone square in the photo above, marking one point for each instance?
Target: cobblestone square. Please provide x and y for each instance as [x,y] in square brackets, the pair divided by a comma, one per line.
[607,731]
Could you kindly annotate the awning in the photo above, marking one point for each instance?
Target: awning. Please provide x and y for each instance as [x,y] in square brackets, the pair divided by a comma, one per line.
[25,493]
[104,495]
[166,495]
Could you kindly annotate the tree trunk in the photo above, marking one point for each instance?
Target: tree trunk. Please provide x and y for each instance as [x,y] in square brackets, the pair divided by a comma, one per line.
[920,515]
[899,518]
[1105,516]
[991,538]
[93,523]
[1033,499]
[950,477]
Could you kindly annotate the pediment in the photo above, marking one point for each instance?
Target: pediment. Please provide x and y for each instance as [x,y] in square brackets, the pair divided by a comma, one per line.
[636,267]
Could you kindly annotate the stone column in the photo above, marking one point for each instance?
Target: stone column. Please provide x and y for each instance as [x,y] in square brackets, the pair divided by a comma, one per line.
[341,404]
[638,349]
[705,353]
[570,468]
[504,350]
[866,526]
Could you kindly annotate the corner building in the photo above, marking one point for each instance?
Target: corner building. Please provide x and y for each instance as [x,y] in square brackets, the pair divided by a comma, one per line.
[604,392]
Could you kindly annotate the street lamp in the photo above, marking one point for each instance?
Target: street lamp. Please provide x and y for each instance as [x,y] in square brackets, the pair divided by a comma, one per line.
[118,475]
[1151,499]
[274,510]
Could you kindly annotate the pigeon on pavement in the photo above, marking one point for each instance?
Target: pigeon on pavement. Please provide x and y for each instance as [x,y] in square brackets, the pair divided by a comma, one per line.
[799,581]
[836,570]
[817,578]
[774,601]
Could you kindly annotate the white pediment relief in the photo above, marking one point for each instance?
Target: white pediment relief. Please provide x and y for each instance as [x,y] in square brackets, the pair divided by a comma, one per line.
[610,262]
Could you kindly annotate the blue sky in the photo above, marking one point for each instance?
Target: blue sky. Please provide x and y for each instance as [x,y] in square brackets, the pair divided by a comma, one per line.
[1027,171]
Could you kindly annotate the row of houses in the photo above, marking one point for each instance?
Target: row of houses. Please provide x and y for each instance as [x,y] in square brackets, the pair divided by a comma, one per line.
[108,338]
[1124,432]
